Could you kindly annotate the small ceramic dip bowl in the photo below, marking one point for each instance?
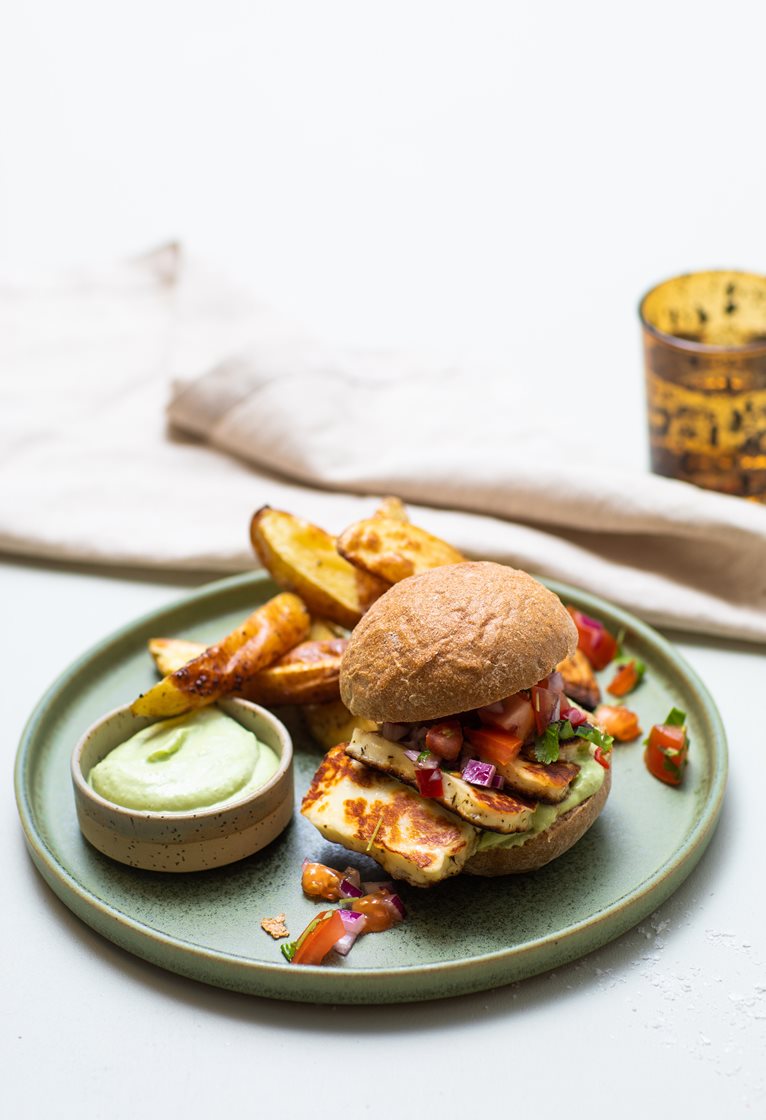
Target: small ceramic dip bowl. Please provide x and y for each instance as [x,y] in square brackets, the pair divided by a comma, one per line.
[195,839]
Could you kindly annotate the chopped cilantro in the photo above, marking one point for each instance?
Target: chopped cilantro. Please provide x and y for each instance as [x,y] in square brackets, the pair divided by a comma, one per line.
[423,756]
[289,950]
[676,718]
[547,744]
[595,735]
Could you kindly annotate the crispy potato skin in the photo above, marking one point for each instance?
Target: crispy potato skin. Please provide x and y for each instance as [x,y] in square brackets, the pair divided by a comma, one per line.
[302,557]
[308,674]
[393,549]
[580,680]
[267,634]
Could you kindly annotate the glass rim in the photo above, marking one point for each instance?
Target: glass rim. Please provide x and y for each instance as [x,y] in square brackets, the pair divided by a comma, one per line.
[686,343]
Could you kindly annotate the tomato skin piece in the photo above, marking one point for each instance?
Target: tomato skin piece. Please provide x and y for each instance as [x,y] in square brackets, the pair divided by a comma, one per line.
[625,680]
[320,941]
[593,639]
[445,739]
[430,782]
[546,705]
[601,758]
[497,747]
[619,722]
[667,753]
[517,716]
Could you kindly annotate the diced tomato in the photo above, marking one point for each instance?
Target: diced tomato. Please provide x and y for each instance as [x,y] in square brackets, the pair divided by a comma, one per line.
[495,746]
[319,881]
[318,938]
[515,715]
[594,639]
[430,782]
[445,738]
[667,753]
[379,911]
[618,722]
[546,705]
[625,679]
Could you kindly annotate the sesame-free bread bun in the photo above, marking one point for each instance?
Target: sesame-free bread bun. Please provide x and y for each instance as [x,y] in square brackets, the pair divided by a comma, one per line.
[452,639]
[546,846]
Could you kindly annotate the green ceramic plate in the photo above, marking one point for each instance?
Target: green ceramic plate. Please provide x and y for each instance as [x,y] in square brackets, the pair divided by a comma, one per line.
[465,935]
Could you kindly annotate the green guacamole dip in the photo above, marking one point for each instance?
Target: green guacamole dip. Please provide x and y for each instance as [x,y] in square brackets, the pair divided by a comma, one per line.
[196,761]
[587,782]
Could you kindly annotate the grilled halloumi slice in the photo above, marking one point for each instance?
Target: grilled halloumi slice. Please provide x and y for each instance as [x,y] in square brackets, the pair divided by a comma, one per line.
[580,680]
[545,781]
[411,837]
[484,808]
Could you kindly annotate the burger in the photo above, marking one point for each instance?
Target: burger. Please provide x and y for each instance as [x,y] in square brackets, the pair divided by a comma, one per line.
[467,755]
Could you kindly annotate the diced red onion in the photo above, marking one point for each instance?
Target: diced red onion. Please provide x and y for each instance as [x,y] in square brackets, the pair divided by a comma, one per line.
[394,732]
[354,924]
[555,682]
[429,762]
[353,875]
[498,782]
[347,889]
[591,623]
[479,773]
[394,903]
[574,715]
[353,920]
[412,755]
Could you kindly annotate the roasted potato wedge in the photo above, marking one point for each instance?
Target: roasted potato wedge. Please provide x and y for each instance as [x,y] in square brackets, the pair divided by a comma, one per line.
[330,724]
[323,630]
[170,654]
[580,680]
[268,633]
[308,674]
[392,508]
[392,549]
[303,558]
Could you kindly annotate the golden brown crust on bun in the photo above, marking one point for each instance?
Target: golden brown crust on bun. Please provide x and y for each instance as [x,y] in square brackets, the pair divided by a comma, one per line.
[546,846]
[452,639]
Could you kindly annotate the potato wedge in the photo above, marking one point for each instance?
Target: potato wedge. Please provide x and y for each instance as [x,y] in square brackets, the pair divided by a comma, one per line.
[303,558]
[267,634]
[392,508]
[393,549]
[330,724]
[170,654]
[579,680]
[307,674]
[323,630]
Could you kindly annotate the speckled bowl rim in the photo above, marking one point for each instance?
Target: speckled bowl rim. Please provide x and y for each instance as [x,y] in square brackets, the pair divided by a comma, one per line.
[404,983]
[221,809]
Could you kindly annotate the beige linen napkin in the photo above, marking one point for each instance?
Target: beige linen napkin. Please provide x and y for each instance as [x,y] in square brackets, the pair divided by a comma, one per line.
[89,472]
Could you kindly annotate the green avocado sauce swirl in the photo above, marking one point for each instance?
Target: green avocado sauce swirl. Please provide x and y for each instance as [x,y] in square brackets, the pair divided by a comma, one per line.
[200,760]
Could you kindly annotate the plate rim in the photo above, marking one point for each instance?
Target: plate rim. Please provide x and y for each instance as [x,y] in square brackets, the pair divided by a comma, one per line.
[306,984]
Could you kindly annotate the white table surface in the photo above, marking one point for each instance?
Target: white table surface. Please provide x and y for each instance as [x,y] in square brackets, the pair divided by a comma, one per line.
[494,178]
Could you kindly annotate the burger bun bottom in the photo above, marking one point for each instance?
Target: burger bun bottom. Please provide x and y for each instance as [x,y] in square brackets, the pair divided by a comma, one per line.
[547,845]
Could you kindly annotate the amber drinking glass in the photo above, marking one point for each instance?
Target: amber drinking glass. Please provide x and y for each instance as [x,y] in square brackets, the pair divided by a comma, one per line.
[705,356]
